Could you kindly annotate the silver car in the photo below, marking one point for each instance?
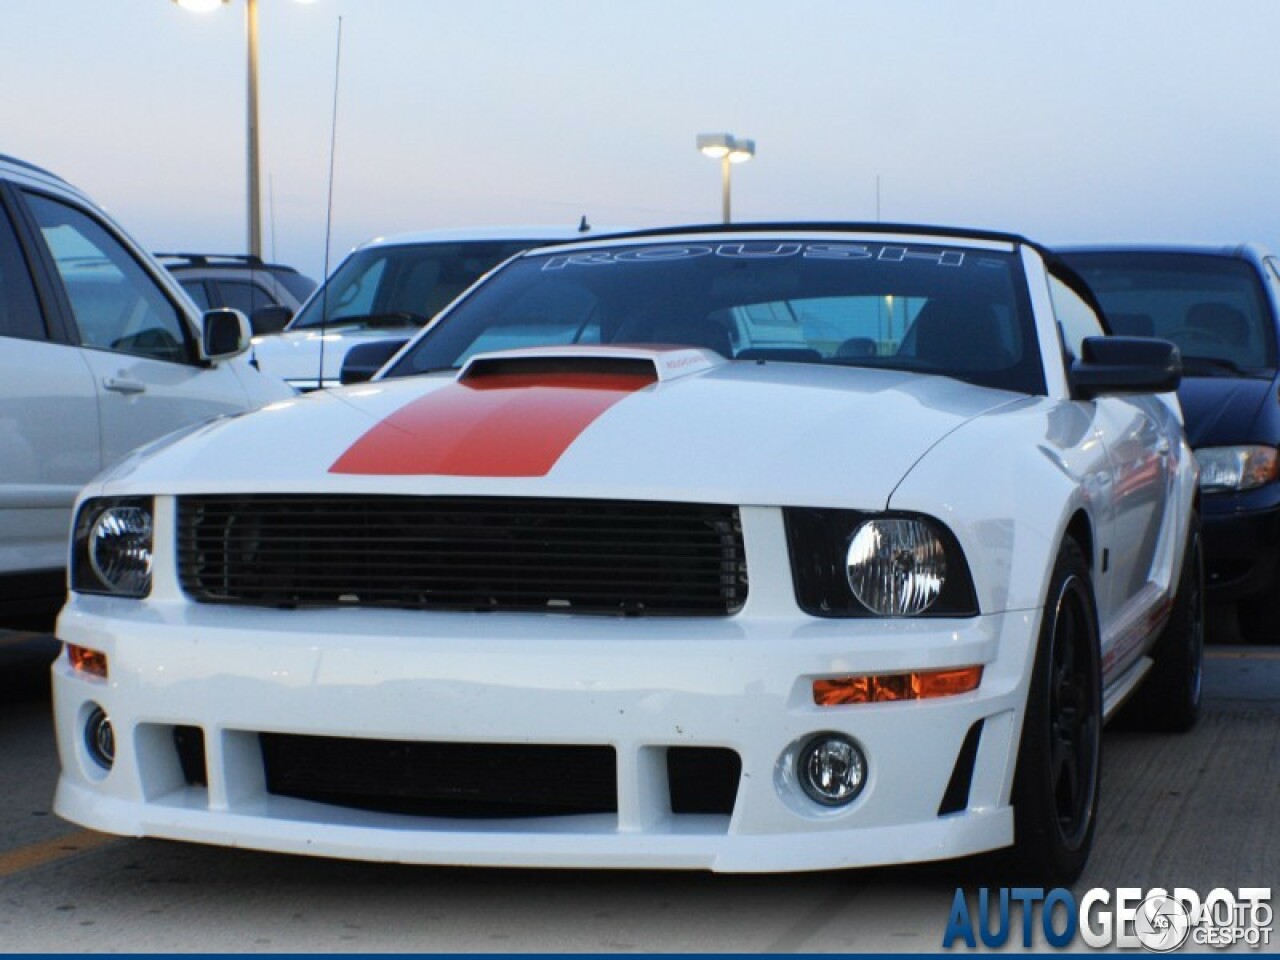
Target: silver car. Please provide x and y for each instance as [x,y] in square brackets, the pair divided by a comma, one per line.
[100,352]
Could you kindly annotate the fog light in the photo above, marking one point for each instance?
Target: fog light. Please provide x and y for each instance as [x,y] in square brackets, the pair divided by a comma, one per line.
[100,738]
[831,769]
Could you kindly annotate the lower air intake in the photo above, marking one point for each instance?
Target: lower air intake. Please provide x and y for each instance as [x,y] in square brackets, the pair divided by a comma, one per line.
[456,780]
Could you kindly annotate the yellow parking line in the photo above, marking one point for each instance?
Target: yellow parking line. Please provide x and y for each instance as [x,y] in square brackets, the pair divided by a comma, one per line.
[51,851]
[1243,654]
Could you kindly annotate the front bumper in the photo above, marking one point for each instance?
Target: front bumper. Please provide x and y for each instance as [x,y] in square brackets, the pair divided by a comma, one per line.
[639,686]
[1241,542]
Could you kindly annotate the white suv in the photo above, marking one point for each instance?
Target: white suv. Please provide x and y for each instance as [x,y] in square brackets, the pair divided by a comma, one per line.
[100,352]
[385,290]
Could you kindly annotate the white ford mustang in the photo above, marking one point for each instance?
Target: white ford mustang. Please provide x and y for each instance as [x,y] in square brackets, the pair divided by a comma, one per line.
[747,549]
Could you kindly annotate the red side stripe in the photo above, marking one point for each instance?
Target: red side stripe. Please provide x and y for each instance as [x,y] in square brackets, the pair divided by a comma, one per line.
[511,425]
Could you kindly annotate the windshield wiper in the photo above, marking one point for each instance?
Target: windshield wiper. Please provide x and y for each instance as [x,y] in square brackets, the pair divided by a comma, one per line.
[395,318]
[421,373]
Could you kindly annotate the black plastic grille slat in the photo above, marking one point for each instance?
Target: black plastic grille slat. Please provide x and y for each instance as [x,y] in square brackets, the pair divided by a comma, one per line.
[462,553]
[703,779]
[189,742]
[457,780]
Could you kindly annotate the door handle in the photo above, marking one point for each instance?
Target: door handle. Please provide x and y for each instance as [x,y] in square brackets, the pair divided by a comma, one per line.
[123,385]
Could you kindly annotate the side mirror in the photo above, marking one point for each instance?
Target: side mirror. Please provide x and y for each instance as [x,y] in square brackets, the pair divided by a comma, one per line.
[1117,365]
[366,359]
[272,318]
[225,334]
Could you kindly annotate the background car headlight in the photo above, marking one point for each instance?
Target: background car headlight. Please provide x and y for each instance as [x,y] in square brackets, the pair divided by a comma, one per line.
[112,547]
[850,563]
[1237,468]
[896,566]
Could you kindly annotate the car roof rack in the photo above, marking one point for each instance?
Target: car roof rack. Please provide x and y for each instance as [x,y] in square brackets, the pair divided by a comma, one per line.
[230,259]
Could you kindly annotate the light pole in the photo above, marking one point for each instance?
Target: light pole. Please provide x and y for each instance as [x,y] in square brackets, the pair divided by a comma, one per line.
[728,149]
[254,189]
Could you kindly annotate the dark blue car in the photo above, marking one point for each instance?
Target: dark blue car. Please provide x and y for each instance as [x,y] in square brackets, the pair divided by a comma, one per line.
[1219,305]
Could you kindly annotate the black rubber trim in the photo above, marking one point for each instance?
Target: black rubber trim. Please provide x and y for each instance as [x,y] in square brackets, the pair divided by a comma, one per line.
[956,797]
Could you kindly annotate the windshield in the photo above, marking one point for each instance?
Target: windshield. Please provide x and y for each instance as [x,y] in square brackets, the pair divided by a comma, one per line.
[1212,307]
[949,310]
[405,284]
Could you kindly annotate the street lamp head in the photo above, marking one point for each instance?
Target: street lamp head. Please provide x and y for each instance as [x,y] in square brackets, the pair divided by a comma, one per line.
[715,145]
[728,149]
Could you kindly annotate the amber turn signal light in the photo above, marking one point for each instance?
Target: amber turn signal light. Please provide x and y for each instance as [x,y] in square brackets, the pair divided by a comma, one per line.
[84,660]
[923,685]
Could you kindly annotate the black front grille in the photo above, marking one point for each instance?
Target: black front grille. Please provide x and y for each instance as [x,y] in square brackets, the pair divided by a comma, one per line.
[463,553]
[457,780]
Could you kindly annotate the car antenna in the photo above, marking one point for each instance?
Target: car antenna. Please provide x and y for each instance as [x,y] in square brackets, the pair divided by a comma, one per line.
[328,212]
[583,226]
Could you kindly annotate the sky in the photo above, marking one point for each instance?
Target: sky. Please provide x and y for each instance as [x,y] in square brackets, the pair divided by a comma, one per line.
[1095,120]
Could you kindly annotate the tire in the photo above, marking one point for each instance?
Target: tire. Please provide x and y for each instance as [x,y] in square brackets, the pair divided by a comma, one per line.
[1055,788]
[1168,701]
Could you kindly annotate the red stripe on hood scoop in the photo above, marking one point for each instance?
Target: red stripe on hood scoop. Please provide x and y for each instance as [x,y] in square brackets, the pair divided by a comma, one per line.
[497,425]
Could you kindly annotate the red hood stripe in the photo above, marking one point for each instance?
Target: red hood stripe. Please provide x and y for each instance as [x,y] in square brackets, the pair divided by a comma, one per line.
[510,425]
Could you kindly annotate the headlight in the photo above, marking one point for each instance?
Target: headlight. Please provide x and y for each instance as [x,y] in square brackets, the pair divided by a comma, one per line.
[1237,468]
[112,547]
[896,567]
[848,563]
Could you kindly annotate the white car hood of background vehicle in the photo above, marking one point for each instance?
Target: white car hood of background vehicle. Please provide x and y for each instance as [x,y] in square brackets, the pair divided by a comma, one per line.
[705,431]
[261,387]
[294,355]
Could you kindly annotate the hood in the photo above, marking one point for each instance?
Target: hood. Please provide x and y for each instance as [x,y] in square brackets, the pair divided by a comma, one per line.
[1220,411]
[260,388]
[680,425]
[294,355]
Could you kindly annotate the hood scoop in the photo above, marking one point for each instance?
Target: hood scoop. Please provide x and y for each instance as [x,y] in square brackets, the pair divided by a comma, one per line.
[652,365]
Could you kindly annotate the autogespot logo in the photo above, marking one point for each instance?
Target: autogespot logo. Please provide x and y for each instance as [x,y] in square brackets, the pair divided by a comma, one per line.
[1162,923]
[1157,920]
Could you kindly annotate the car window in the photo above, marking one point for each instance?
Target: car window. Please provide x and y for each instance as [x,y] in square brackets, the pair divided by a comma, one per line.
[1076,318]
[297,284]
[957,312]
[20,314]
[416,280]
[242,295]
[1213,307]
[117,306]
[197,292]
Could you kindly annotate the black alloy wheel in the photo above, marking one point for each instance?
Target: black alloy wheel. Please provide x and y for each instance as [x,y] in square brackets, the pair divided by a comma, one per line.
[1075,718]
[1055,789]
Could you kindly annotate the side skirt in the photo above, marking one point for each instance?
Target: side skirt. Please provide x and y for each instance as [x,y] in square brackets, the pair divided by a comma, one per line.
[1116,694]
